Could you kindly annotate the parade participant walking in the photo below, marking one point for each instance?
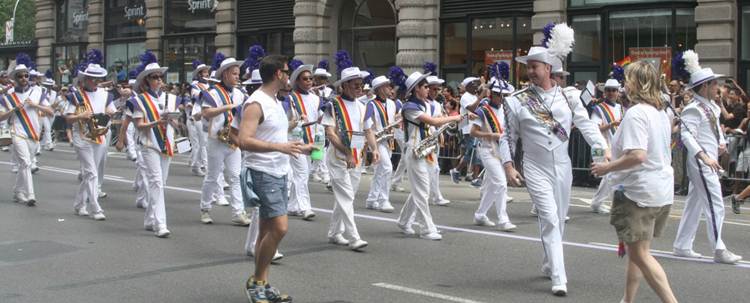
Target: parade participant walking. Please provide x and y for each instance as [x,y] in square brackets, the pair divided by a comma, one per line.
[47,142]
[196,134]
[382,111]
[436,197]
[607,115]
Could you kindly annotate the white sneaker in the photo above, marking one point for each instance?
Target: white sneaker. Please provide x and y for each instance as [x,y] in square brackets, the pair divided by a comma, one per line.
[198,172]
[442,202]
[483,221]
[307,215]
[686,253]
[533,211]
[148,227]
[372,206]
[600,209]
[507,226]
[163,232]
[222,201]
[82,212]
[508,199]
[338,240]
[102,195]
[140,204]
[407,229]
[357,245]
[398,188]
[316,178]
[99,216]
[14,169]
[240,219]
[560,290]
[386,207]
[277,256]
[19,198]
[434,236]
[206,217]
[725,256]
[294,213]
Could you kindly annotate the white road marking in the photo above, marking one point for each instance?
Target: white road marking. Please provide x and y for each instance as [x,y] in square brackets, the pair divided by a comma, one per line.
[663,253]
[424,293]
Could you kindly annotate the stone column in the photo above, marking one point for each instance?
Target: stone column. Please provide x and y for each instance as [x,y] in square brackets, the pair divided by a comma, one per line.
[417,33]
[312,31]
[225,28]
[96,24]
[44,33]
[546,11]
[717,39]
[154,26]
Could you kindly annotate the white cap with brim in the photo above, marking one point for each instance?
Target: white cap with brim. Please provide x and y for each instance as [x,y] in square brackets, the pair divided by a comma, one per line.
[503,87]
[19,68]
[226,64]
[34,73]
[351,73]
[93,70]
[612,83]
[301,69]
[321,72]
[434,80]
[537,53]
[557,66]
[151,68]
[413,80]
[702,76]
[254,78]
[212,77]
[198,69]
[379,81]
[468,80]
[48,82]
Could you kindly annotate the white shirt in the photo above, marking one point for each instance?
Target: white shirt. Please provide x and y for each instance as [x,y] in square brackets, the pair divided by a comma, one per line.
[356,112]
[483,122]
[466,100]
[373,113]
[598,116]
[166,103]
[697,133]
[213,99]
[651,183]
[310,107]
[272,129]
[411,112]
[33,94]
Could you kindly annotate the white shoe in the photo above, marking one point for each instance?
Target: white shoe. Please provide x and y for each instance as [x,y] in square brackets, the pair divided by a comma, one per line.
[434,236]
[407,230]
[560,290]
[533,211]
[386,207]
[567,218]
[163,232]
[507,226]
[148,227]
[725,256]
[442,202]
[222,201]
[198,172]
[277,256]
[99,216]
[483,221]
[686,253]
[19,198]
[307,215]
[372,206]
[357,244]
[102,195]
[141,205]
[338,240]
[30,200]
[206,217]
[398,188]
[294,213]
[316,178]
[14,169]
[82,212]
[508,199]
[240,219]
[600,209]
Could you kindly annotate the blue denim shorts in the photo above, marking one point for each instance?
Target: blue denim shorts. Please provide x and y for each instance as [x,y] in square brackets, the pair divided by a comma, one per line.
[265,191]
[470,156]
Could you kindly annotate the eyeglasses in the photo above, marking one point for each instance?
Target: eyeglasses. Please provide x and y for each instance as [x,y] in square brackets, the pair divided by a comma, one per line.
[610,90]
[306,78]
[26,76]
[288,72]
[156,77]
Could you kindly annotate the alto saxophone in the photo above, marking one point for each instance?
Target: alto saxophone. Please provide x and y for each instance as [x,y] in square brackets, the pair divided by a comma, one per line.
[428,145]
[385,133]
[90,128]
[224,137]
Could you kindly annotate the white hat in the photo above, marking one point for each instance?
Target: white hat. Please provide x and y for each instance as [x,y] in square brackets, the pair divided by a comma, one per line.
[503,87]
[366,87]
[434,80]
[200,68]
[379,81]
[131,82]
[151,68]
[48,82]
[254,78]
[19,68]
[300,70]
[212,77]
[92,70]
[351,73]
[537,53]
[413,80]
[227,63]
[321,72]
[557,66]
[612,83]
[702,76]
[34,73]
[468,80]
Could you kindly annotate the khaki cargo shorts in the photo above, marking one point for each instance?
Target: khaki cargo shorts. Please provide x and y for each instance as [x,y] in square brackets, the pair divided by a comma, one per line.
[633,223]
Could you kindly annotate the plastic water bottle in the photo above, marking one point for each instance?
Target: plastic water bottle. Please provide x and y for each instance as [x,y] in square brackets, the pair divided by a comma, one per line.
[597,155]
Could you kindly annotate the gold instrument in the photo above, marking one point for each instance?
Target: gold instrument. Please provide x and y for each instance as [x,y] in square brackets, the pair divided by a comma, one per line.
[385,133]
[429,145]
[224,137]
[90,128]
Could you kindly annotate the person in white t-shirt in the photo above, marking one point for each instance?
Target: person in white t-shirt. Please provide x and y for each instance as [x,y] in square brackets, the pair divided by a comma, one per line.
[642,175]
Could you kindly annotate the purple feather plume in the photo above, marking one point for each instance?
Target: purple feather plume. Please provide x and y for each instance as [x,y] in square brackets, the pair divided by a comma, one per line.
[48,74]
[343,61]
[196,63]
[430,67]
[133,74]
[504,70]
[254,54]
[618,73]
[679,72]
[218,58]
[24,58]
[397,76]
[369,78]
[547,33]
[294,64]
[323,64]
[95,56]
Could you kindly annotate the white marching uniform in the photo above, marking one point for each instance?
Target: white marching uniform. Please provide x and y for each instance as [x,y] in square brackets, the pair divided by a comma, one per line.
[546,164]
[90,153]
[398,134]
[140,186]
[25,129]
[46,140]
[308,104]
[156,145]
[701,132]
[381,113]
[608,113]
[222,158]
[436,196]
[494,187]
[345,181]
[418,169]
[196,134]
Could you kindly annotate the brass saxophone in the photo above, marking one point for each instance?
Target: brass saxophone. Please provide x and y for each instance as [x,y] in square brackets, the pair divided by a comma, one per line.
[386,133]
[224,137]
[90,128]
[428,145]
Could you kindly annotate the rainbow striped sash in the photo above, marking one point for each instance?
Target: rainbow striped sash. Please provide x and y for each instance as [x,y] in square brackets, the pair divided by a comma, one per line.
[82,99]
[226,99]
[23,117]
[151,113]
[608,115]
[492,120]
[299,105]
[345,124]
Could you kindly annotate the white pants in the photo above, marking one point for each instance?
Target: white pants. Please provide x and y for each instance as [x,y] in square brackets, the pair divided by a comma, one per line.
[197,137]
[697,202]
[398,175]
[435,194]
[549,181]
[380,188]
[345,183]
[299,197]
[494,186]
[222,159]
[100,152]
[131,147]
[46,139]
[141,186]
[156,171]
[419,172]
[603,193]
[88,189]
[252,231]
[23,155]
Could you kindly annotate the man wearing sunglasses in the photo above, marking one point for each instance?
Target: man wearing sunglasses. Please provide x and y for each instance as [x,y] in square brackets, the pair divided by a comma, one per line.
[607,114]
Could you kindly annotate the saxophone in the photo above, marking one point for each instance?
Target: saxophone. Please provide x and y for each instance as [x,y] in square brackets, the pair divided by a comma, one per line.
[90,128]
[429,145]
[386,133]
[224,137]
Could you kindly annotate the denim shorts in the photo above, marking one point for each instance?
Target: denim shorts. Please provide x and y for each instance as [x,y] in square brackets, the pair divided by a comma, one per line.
[270,193]
[470,156]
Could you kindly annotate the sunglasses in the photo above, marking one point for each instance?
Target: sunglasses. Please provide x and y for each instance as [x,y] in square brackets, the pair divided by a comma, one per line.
[610,90]
[288,72]
[156,77]
[306,78]
[26,76]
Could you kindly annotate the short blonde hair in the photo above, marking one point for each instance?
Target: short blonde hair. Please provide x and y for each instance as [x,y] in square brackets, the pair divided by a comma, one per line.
[643,84]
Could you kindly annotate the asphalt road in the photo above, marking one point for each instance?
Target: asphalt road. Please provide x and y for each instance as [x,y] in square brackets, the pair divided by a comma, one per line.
[47,254]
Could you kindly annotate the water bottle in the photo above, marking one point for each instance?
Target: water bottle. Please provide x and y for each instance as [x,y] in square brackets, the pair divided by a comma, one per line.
[597,155]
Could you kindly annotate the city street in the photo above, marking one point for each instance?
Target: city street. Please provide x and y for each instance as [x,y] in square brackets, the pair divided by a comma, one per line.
[47,254]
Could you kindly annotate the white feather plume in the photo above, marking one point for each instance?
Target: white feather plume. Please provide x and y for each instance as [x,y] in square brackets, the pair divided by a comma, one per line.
[561,41]
[692,64]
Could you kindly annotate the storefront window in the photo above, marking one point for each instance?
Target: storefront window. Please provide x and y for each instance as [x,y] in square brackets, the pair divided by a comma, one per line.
[368,32]
[454,43]
[179,53]
[72,21]
[524,37]
[587,47]
[122,57]
[273,42]
[125,19]
[491,40]
[643,34]
[67,58]
[685,29]
[190,16]
[744,39]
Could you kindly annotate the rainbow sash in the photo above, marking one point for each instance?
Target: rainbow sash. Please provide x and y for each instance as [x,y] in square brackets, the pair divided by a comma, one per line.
[299,104]
[345,124]
[608,115]
[23,117]
[151,112]
[225,100]
[492,120]
[82,99]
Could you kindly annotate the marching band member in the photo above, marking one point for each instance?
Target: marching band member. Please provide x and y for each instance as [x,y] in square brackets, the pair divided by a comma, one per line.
[306,107]
[348,131]
[196,134]
[489,127]
[418,117]
[436,197]
[140,186]
[397,77]
[51,95]
[543,117]
[219,105]
[322,89]
[151,115]
[607,115]
[85,103]
[20,106]
[382,111]
[704,139]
